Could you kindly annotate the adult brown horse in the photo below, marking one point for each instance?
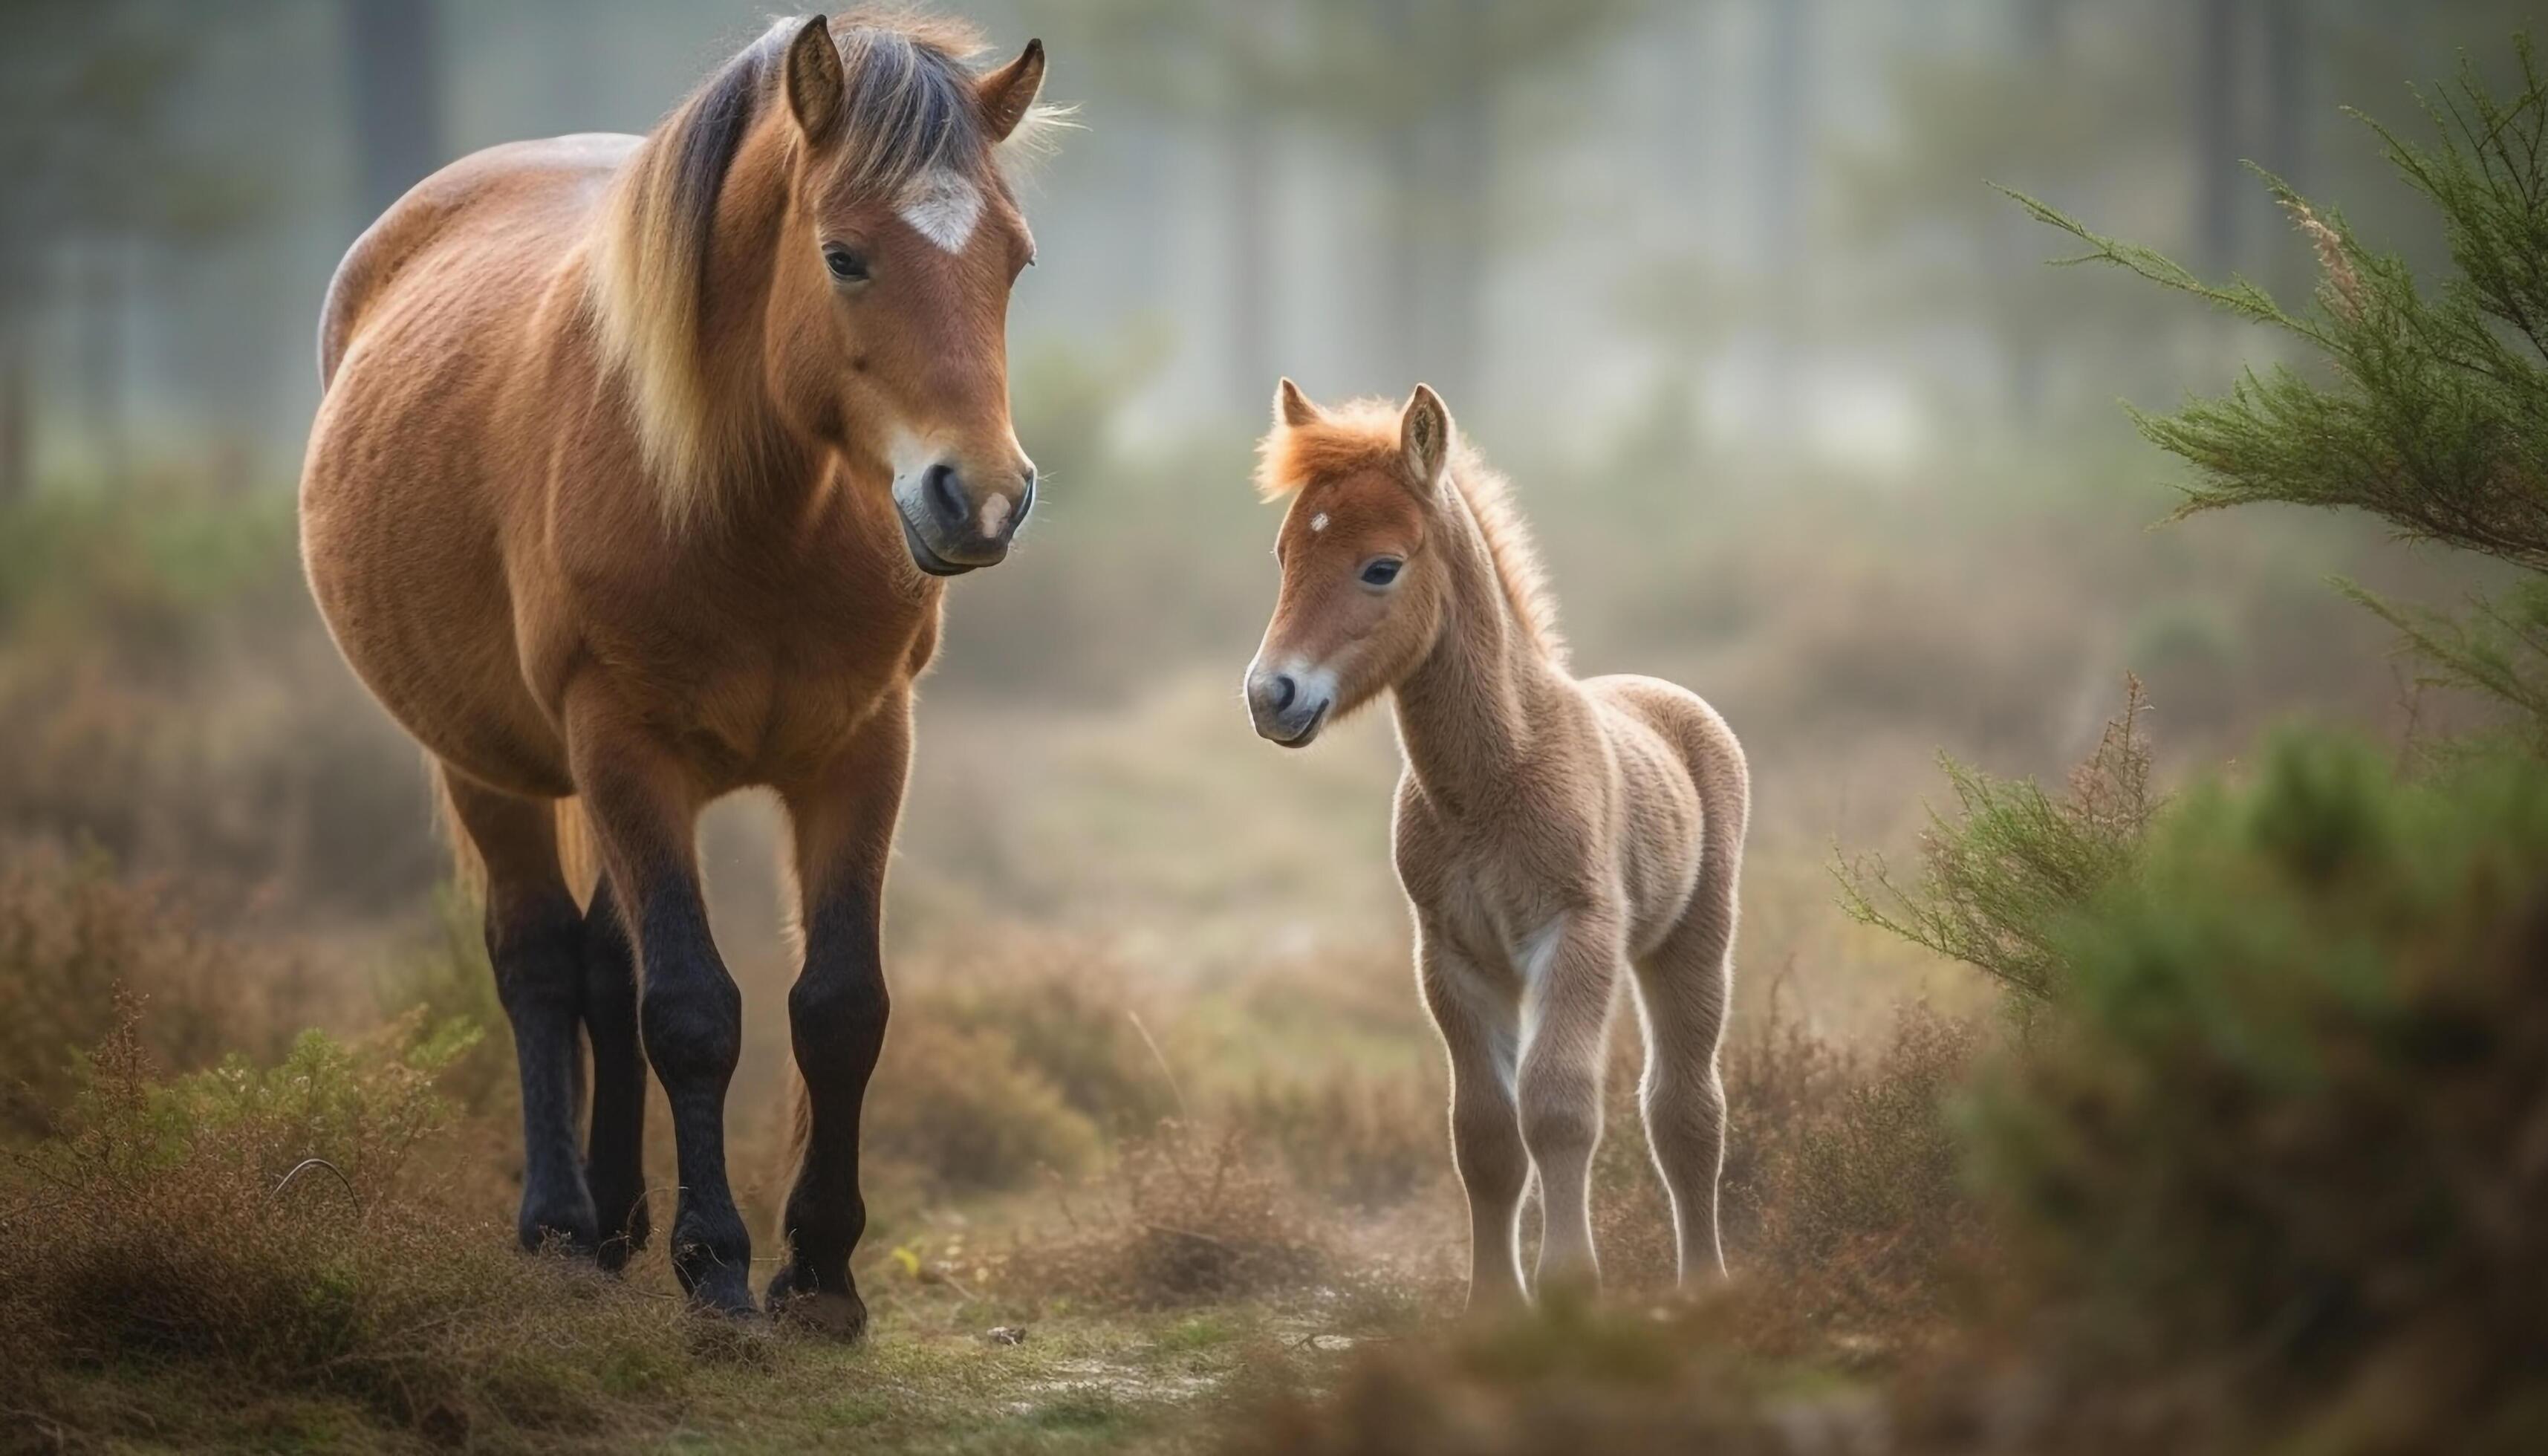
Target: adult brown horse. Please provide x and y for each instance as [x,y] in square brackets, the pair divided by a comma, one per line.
[638,463]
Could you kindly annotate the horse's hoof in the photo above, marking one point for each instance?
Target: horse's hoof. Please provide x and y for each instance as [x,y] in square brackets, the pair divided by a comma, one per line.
[564,1224]
[726,1293]
[621,1247]
[838,1313]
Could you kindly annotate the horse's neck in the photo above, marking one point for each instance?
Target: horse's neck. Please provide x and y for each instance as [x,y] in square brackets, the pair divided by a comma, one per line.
[1467,711]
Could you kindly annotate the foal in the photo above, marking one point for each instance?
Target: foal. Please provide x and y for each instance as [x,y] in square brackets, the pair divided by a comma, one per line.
[1549,832]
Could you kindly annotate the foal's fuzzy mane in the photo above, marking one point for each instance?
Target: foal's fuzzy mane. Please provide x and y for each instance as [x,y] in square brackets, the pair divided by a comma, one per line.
[1362,435]
[909,111]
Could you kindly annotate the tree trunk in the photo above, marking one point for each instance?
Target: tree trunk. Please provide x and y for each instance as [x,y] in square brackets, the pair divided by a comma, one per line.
[396,74]
[1465,210]
[1783,123]
[16,443]
[2215,134]
[1251,280]
[2289,68]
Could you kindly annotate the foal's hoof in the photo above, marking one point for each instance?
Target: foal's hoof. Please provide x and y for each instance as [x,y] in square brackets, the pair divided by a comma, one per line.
[797,1299]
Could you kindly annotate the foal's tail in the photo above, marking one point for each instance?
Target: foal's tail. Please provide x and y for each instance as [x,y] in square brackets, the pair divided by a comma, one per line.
[576,859]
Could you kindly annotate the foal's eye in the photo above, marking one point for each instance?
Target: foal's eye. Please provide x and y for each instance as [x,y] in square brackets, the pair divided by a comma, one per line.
[844,264]
[1380,572]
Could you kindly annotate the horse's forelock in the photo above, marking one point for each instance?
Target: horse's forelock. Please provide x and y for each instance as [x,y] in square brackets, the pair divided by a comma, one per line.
[908,113]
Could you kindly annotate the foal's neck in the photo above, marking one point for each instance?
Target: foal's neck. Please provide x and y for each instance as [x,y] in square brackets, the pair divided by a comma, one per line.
[1470,710]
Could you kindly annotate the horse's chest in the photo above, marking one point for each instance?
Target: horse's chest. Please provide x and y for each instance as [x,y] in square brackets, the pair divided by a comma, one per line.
[1505,925]
[771,701]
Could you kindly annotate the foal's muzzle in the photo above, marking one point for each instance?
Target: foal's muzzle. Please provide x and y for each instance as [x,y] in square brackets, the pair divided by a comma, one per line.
[953,524]
[1290,704]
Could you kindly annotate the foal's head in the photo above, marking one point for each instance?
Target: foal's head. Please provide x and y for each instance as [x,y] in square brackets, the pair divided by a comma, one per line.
[853,164]
[1363,597]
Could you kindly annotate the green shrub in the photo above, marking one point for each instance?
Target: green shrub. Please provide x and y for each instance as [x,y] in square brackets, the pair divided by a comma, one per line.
[2288,1140]
[2002,877]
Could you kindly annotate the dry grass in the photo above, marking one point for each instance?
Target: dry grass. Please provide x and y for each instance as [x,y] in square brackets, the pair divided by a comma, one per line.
[248,1254]
[1184,1219]
[71,934]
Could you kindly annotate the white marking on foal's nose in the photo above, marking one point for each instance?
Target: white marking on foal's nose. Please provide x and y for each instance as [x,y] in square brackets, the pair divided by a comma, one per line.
[943,207]
[994,511]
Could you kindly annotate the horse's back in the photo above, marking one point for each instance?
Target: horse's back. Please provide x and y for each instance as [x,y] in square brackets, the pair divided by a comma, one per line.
[439,346]
[520,193]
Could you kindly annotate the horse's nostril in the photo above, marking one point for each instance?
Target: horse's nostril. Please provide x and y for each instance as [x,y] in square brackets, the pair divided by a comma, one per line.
[1285,690]
[945,500]
[1025,498]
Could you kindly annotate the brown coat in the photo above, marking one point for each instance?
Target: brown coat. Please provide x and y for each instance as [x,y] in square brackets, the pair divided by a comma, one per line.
[639,466]
[1551,832]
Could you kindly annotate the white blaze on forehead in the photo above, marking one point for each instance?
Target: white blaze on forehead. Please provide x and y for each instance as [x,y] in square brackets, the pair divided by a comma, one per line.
[943,207]
[1318,523]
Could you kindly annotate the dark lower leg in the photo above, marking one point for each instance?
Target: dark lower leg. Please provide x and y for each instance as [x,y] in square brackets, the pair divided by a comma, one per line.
[691,1014]
[535,941]
[615,1153]
[837,1015]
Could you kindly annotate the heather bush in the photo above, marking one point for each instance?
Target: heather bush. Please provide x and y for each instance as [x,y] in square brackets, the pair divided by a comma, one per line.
[74,936]
[251,1252]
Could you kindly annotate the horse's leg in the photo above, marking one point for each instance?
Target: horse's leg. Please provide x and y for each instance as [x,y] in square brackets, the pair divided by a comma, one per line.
[1568,983]
[535,941]
[1479,1030]
[843,822]
[614,1164]
[1683,990]
[643,804]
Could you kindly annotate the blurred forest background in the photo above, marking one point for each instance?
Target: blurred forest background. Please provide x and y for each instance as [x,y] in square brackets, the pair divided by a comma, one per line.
[1800,416]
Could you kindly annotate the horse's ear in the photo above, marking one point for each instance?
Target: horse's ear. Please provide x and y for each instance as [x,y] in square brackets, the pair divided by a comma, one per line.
[1424,438]
[815,83]
[1006,93]
[1293,408]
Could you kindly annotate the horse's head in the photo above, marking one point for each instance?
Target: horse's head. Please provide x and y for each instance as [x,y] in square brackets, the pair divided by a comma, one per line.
[1362,597]
[889,299]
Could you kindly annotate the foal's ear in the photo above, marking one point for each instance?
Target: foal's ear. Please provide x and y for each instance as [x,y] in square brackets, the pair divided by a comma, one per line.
[1293,408]
[1424,438]
[813,80]
[1006,93]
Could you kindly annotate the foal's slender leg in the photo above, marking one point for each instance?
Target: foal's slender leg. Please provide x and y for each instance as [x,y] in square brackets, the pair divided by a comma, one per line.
[1683,990]
[1479,1027]
[644,807]
[614,1164]
[1566,1014]
[836,1010]
[535,941]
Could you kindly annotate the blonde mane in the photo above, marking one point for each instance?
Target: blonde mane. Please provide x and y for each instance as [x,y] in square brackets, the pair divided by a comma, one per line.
[1363,434]
[909,111]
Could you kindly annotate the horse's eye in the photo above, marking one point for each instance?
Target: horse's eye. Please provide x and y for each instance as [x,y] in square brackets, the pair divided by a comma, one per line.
[846,265]
[1382,571]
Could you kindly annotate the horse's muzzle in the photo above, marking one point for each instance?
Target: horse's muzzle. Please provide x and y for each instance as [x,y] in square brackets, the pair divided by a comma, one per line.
[1290,705]
[952,528]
